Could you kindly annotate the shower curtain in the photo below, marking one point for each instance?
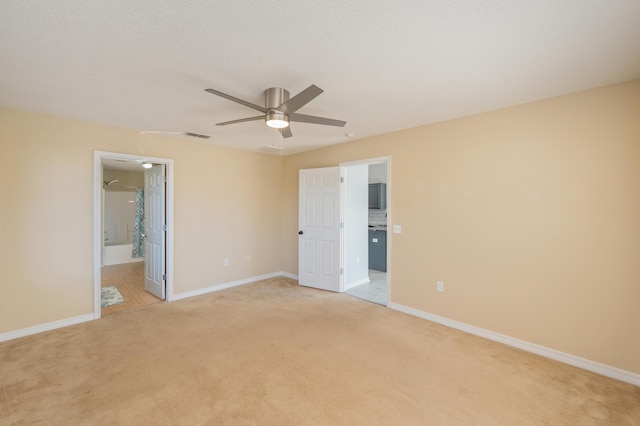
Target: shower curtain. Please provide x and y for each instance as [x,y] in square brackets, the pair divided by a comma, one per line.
[138,226]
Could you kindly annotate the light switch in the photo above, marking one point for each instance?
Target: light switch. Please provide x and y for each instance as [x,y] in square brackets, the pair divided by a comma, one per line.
[397,229]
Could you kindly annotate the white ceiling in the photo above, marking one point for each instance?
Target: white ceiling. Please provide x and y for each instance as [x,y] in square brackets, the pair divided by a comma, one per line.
[385,65]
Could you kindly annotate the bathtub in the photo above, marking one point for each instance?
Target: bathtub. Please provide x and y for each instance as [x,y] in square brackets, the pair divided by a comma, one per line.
[115,255]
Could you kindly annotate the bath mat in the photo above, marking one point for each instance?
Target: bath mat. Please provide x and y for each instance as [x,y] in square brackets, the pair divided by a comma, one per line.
[111,296]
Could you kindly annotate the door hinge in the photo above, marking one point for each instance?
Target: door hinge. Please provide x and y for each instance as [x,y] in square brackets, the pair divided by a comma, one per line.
[164,179]
[164,277]
[164,227]
[341,225]
[341,179]
[341,271]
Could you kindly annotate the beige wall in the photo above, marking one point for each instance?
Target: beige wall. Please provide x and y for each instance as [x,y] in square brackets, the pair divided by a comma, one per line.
[226,206]
[530,216]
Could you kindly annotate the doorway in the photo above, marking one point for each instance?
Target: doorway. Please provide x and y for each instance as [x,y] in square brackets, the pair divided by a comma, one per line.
[334,226]
[123,269]
[367,213]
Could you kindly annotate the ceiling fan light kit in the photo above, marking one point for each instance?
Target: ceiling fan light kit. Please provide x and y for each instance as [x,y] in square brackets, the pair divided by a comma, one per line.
[280,110]
[276,119]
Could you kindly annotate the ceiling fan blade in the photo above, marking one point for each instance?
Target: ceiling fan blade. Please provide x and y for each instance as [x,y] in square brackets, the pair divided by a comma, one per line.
[286,132]
[237,100]
[241,120]
[301,99]
[303,118]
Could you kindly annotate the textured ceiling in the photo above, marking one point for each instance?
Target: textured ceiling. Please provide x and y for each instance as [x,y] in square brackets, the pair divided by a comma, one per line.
[385,65]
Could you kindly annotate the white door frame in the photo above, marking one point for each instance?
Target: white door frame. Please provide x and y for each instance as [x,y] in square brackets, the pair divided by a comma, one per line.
[369,161]
[98,156]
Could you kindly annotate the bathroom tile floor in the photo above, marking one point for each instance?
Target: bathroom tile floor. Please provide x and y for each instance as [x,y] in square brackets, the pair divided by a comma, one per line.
[376,291]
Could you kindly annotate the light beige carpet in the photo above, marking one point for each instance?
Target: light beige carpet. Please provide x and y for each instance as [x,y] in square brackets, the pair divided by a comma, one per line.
[274,353]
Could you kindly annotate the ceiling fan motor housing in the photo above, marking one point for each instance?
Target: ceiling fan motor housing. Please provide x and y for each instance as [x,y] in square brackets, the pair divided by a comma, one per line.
[274,97]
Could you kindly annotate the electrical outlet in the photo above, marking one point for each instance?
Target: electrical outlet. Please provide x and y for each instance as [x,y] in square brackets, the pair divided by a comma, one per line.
[226,262]
[440,286]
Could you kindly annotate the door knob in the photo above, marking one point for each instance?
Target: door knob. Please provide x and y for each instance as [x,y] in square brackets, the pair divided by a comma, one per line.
[300,232]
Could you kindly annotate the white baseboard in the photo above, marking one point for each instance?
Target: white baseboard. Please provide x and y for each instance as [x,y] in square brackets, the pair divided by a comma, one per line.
[288,275]
[585,364]
[45,327]
[10,335]
[356,283]
[605,370]
[219,287]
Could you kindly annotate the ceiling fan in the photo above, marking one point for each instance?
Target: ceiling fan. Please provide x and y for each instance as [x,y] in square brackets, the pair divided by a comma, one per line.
[279,110]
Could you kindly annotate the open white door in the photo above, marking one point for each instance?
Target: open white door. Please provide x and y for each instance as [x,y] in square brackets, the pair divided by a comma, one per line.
[155,230]
[319,233]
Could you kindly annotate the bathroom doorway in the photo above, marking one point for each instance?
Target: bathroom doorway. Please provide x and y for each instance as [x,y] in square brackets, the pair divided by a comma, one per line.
[122,267]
